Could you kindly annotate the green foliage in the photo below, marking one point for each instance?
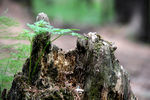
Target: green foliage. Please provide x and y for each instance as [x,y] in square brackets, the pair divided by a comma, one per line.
[16,54]
[12,64]
[6,22]
[76,11]
[41,27]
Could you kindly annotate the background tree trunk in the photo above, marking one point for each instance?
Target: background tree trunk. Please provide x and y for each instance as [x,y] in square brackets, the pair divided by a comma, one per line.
[145,30]
[90,72]
[126,9]
[27,2]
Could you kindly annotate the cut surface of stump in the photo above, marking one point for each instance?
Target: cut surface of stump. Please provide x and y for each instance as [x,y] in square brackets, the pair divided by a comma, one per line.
[89,72]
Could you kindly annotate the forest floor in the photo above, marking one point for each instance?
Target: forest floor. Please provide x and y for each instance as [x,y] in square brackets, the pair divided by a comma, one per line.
[134,56]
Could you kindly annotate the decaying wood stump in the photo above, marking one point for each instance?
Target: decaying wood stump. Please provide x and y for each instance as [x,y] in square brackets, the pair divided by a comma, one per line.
[90,72]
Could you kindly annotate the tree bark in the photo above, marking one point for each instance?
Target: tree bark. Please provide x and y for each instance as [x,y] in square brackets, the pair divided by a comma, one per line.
[90,72]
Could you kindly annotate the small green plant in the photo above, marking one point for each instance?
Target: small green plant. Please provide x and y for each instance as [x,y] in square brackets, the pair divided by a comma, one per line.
[6,22]
[7,63]
[12,63]
[42,27]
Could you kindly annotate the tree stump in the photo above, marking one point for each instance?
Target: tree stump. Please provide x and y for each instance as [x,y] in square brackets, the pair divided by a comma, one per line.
[89,72]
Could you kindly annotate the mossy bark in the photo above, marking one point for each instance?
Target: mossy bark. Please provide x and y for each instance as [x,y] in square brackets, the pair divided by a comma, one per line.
[90,72]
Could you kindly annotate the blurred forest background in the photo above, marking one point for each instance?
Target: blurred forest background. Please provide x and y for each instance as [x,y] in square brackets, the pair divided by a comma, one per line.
[123,22]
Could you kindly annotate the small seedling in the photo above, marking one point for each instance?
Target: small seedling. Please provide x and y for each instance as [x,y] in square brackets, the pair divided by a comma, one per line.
[6,63]
[42,27]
